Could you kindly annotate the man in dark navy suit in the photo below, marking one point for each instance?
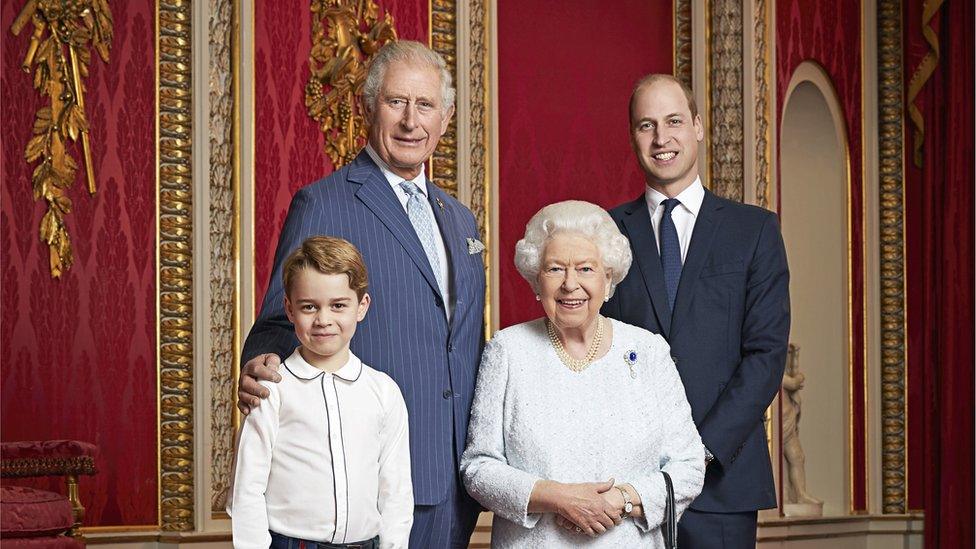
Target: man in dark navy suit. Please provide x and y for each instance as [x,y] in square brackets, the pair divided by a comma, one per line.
[425,327]
[711,278]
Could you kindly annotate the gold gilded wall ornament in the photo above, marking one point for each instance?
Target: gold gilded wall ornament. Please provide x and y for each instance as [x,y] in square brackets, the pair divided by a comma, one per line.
[345,34]
[63,30]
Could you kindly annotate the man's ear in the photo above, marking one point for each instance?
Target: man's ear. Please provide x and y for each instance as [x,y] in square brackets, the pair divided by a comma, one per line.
[363,307]
[447,120]
[366,109]
[699,128]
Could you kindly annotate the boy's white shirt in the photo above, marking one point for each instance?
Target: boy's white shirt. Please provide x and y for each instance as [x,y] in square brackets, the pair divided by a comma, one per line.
[326,457]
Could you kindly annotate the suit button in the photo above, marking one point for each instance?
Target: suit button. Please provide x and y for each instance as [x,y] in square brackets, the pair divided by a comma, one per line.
[450,348]
[439,301]
[447,394]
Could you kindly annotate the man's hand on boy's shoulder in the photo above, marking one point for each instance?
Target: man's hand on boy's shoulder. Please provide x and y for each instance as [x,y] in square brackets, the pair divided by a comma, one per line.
[250,392]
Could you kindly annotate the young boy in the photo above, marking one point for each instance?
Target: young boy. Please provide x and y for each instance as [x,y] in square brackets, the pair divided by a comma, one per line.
[326,460]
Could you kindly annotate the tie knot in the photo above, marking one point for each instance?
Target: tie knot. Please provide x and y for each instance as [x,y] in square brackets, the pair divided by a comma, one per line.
[670,204]
[411,189]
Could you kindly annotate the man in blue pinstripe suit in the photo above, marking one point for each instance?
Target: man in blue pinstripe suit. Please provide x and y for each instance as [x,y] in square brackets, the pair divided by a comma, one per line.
[426,276]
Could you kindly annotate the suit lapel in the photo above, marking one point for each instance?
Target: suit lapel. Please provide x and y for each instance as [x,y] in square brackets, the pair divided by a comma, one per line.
[377,194]
[452,241]
[637,223]
[709,218]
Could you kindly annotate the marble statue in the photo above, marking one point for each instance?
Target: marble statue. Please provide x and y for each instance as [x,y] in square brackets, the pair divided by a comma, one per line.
[798,501]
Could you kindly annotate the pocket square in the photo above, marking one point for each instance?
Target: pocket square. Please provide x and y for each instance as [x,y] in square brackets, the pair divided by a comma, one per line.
[475,246]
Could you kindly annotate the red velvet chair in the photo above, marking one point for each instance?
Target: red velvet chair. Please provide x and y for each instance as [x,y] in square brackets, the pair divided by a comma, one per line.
[32,518]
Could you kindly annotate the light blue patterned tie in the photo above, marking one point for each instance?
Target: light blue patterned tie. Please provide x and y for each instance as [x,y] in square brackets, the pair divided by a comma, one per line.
[424,225]
[670,251]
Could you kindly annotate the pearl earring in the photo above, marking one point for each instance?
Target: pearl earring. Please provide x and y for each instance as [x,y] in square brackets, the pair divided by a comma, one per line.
[538,297]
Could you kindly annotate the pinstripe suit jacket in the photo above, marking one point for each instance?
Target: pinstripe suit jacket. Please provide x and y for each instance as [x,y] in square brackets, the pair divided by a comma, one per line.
[406,332]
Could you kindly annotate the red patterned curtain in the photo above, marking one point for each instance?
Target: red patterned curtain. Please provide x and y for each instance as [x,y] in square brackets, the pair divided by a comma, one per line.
[939,65]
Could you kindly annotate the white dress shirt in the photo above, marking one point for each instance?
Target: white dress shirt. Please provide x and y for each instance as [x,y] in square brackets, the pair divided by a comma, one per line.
[326,458]
[441,249]
[684,215]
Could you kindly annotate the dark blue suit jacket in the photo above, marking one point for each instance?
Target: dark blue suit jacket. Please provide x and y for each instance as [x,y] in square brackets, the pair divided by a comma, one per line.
[728,335]
[406,332]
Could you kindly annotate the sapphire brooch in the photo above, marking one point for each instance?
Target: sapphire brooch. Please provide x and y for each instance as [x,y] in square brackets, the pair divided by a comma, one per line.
[630,357]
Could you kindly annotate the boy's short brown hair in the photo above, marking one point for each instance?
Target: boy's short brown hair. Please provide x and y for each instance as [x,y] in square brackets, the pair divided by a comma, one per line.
[327,255]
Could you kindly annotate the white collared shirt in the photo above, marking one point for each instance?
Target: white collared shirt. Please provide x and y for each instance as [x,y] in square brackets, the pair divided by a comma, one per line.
[326,457]
[684,215]
[420,181]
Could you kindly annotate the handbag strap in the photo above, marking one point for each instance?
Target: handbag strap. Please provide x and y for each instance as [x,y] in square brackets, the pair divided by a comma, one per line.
[670,527]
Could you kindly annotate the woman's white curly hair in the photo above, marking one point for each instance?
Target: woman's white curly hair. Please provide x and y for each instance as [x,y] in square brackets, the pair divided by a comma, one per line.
[573,216]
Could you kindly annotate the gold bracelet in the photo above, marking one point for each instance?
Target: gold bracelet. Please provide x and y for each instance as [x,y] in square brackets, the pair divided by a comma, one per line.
[628,506]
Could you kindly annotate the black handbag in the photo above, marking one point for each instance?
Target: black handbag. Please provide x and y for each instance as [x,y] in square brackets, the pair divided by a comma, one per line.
[669,528]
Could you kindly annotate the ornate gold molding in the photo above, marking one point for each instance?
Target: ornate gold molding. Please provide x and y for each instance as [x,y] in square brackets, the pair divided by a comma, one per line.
[61,59]
[479,120]
[345,34]
[891,147]
[224,212]
[682,41]
[725,100]
[762,99]
[175,263]
[443,39]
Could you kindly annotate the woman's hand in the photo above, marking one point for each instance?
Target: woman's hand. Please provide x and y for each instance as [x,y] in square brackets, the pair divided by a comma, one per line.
[583,504]
[615,499]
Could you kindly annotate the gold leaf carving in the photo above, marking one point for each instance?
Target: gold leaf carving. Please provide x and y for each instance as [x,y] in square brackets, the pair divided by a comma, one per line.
[682,41]
[59,56]
[894,498]
[175,268]
[345,35]
[443,39]
[726,145]
[225,195]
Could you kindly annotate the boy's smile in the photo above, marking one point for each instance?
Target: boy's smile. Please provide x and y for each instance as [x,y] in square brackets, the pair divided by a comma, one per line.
[325,311]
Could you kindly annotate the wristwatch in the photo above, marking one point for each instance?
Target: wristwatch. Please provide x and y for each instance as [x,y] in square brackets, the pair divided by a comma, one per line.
[628,506]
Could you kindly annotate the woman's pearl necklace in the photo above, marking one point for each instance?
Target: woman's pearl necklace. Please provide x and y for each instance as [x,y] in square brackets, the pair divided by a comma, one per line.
[576,364]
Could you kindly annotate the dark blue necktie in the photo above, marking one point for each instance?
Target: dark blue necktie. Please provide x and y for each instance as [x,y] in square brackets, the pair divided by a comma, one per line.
[670,251]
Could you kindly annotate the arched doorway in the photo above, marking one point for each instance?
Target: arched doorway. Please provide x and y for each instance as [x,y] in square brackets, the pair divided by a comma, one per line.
[814,190]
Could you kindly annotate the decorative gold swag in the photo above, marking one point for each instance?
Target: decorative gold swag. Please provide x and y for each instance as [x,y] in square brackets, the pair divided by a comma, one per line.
[61,58]
[921,75]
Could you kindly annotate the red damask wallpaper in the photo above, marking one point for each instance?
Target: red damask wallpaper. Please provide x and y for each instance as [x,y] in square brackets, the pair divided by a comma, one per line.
[288,146]
[79,353]
[829,32]
[565,73]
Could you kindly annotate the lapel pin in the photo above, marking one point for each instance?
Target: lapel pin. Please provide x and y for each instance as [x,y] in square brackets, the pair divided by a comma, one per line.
[441,204]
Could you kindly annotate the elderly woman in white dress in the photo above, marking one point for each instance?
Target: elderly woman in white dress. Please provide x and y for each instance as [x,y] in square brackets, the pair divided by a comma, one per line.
[575,415]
